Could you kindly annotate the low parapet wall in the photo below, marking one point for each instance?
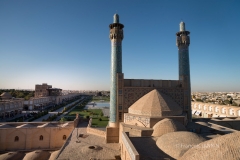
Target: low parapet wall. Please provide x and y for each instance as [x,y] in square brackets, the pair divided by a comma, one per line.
[96,131]
[128,149]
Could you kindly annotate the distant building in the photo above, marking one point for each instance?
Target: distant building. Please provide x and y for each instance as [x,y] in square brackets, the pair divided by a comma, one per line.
[209,110]
[10,106]
[41,90]
[45,90]
[45,96]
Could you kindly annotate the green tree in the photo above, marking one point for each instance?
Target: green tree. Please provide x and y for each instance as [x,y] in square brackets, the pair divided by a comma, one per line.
[20,95]
[231,100]
[199,100]
[63,119]
[226,102]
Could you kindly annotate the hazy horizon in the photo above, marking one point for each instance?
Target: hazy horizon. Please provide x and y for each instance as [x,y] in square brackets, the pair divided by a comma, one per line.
[66,43]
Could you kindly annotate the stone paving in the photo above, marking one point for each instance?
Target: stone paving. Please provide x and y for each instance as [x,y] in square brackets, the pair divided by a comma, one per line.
[87,146]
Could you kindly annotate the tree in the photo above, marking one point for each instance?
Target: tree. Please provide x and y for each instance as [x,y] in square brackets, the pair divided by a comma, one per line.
[199,100]
[226,102]
[63,119]
[231,100]
[99,94]
[64,109]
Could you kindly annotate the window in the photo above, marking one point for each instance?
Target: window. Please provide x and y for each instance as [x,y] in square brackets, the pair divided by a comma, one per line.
[120,91]
[41,138]
[120,116]
[64,137]
[16,139]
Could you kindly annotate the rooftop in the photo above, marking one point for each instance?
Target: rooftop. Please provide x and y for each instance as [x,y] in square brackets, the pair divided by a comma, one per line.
[87,146]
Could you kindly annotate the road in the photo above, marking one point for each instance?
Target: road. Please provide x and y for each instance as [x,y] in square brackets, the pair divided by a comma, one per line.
[56,112]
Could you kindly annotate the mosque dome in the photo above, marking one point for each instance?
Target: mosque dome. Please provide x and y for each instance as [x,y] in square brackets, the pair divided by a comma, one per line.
[6,95]
[220,148]
[12,156]
[37,155]
[166,126]
[175,144]
[155,103]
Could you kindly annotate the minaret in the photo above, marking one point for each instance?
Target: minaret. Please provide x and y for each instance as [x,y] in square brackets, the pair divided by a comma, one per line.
[183,41]
[116,37]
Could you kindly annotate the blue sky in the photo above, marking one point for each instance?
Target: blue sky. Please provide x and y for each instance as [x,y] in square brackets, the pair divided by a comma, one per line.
[65,43]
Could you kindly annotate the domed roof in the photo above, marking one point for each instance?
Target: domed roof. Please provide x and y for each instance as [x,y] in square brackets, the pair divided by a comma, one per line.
[66,124]
[37,155]
[167,125]
[155,103]
[25,126]
[220,148]
[12,156]
[6,95]
[175,144]
[54,155]
[45,125]
[5,126]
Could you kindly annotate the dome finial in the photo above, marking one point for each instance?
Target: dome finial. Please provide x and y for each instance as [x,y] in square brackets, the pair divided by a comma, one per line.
[116,18]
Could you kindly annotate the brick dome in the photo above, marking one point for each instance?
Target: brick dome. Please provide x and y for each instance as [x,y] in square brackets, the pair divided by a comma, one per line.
[155,103]
[12,155]
[166,126]
[175,144]
[37,155]
[220,148]
[54,155]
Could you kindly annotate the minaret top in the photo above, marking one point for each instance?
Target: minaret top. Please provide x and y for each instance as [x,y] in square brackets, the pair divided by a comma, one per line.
[115,18]
[116,23]
[182,30]
[182,26]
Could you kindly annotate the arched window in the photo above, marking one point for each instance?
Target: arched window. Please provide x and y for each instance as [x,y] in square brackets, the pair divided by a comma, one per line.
[64,137]
[41,138]
[16,139]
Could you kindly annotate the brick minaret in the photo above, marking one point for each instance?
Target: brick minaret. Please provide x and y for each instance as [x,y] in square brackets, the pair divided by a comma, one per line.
[116,37]
[183,41]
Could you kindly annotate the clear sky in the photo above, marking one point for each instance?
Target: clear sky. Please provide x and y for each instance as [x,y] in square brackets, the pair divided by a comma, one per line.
[66,43]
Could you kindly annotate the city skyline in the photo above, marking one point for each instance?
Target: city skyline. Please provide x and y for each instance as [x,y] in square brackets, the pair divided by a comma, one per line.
[66,44]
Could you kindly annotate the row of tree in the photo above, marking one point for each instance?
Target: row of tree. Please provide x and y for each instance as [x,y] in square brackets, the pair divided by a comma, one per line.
[19,93]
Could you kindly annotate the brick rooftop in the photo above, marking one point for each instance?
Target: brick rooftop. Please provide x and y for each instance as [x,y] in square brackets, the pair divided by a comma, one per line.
[72,150]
